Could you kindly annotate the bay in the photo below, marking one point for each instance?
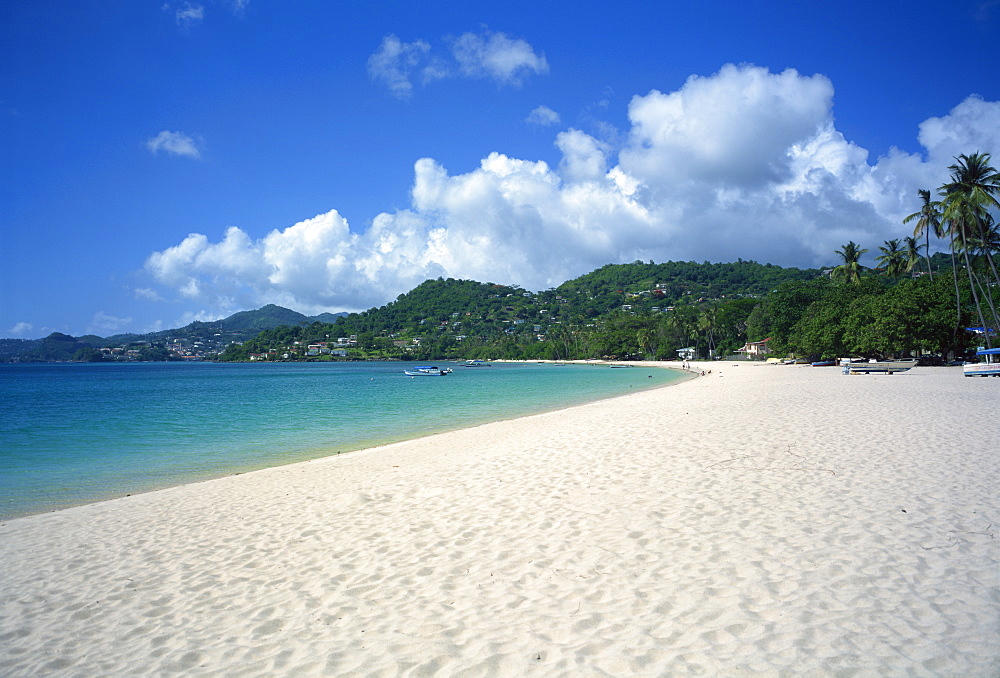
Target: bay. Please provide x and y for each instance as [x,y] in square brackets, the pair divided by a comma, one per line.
[72,434]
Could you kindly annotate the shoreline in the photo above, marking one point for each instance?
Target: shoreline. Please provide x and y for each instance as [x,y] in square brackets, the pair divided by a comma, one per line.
[283,454]
[759,520]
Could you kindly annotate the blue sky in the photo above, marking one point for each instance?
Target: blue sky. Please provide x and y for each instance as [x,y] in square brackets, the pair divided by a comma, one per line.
[171,161]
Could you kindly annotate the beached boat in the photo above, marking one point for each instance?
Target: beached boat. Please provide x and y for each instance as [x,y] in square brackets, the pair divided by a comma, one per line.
[880,367]
[474,363]
[426,372]
[990,367]
[824,363]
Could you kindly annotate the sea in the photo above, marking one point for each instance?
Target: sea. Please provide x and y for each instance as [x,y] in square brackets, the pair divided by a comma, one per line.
[74,434]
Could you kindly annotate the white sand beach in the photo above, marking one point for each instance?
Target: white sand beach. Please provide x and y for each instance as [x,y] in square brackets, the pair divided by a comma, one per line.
[757,521]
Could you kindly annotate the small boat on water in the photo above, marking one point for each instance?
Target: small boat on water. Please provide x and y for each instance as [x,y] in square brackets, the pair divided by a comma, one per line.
[880,367]
[990,367]
[474,363]
[426,372]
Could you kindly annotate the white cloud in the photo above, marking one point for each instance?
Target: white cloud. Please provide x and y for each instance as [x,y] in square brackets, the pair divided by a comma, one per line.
[543,116]
[396,62]
[174,143]
[743,163]
[103,324]
[20,330]
[735,127]
[189,15]
[973,125]
[401,65]
[147,294]
[584,157]
[497,56]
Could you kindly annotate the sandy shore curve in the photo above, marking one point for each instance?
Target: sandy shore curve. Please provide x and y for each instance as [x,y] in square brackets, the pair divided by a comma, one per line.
[760,520]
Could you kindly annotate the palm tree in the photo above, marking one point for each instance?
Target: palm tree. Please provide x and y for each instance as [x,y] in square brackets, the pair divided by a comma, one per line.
[911,253]
[892,258]
[928,219]
[850,270]
[708,322]
[682,324]
[645,338]
[971,195]
[967,201]
[990,243]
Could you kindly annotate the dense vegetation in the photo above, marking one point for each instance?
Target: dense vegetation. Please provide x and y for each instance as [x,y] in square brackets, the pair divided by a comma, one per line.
[875,317]
[621,310]
[57,347]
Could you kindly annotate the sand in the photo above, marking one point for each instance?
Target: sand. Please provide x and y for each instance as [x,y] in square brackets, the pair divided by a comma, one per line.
[759,520]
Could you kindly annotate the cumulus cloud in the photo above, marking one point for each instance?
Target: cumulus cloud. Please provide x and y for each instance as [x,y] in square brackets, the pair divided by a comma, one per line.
[733,128]
[584,158]
[174,143]
[401,65]
[543,116]
[743,163]
[973,124]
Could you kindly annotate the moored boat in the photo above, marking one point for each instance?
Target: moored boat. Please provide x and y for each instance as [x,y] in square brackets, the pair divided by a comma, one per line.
[880,367]
[990,367]
[474,363]
[426,372]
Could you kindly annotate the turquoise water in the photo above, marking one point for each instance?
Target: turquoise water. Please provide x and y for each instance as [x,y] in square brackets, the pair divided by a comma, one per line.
[73,434]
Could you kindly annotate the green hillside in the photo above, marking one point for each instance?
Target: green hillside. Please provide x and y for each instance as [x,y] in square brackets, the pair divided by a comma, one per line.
[591,314]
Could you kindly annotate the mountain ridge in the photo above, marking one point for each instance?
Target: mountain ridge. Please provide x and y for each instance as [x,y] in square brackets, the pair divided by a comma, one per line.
[239,326]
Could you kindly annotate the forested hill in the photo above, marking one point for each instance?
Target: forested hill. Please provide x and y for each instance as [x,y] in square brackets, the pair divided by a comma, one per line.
[473,305]
[681,278]
[441,317]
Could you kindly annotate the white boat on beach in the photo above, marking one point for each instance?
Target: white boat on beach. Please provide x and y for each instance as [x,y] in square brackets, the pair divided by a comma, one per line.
[990,367]
[879,367]
[426,372]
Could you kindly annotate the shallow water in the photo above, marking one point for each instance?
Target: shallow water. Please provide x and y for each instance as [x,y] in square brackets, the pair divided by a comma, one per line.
[72,434]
